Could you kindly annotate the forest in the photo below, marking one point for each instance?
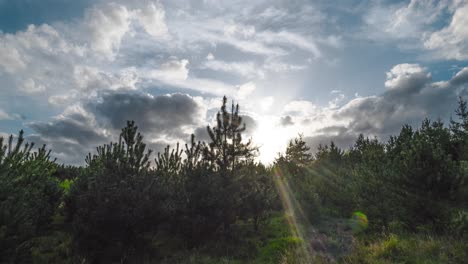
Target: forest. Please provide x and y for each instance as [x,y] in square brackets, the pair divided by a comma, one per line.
[403,200]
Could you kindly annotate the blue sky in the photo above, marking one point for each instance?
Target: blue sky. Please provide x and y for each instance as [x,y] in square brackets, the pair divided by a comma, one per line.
[327,69]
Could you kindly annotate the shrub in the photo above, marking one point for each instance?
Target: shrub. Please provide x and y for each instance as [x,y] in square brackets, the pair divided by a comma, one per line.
[29,196]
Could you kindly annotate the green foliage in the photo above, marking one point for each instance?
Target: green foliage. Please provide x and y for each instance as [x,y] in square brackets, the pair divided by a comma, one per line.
[371,181]
[394,248]
[52,248]
[428,177]
[65,185]
[276,248]
[119,206]
[211,202]
[114,203]
[226,149]
[29,197]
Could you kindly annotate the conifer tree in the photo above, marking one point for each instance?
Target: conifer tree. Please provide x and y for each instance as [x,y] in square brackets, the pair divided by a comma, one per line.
[227,152]
[298,152]
[226,148]
[115,201]
[459,131]
[29,196]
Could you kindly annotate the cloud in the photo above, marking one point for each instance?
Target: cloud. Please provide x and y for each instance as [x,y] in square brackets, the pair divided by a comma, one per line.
[4,115]
[271,56]
[31,87]
[403,21]
[80,128]
[164,114]
[341,140]
[37,59]
[10,58]
[461,77]
[172,70]
[407,77]
[250,124]
[416,25]
[76,128]
[286,121]
[153,19]
[244,69]
[88,79]
[201,134]
[450,42]
[300,107]
[107,24]
[410,96]
[246,89]
[70,135]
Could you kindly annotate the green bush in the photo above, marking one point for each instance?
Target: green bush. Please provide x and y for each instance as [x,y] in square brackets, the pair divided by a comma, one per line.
[29,197]
[114,204]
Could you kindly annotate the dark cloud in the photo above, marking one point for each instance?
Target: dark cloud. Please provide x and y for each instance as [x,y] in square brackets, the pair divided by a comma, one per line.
[250,124]
[286,121]
[79,130]
[164,114]
[201,134]
[461,77]
[343,141]
[70,137]
[80,133]
[411,97]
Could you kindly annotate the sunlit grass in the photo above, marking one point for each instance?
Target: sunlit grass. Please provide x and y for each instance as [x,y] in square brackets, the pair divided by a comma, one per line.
[297,220]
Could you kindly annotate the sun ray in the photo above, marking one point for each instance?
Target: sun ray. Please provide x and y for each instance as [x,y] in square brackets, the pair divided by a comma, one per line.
[297,220]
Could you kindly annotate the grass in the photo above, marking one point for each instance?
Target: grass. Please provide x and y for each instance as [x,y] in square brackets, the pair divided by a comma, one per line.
[409,248]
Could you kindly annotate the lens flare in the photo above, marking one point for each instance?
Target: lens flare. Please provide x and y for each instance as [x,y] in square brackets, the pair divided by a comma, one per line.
[358,222]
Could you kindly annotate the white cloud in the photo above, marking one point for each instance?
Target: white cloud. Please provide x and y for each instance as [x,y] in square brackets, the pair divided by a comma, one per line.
[4,115]
[406,77]
[246,89]
[153,19]
[31,87]
[92,79]
[416,26]
[403,21]
[246,69]
[277,66]
[451,41]
[210,56]
[10,58]
[107,25]
[291,39]
[301,107]
[266,103]
[18,50]
[172,70]
[335,102]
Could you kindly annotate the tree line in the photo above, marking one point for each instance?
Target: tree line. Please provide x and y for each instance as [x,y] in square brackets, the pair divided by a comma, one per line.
[120,207]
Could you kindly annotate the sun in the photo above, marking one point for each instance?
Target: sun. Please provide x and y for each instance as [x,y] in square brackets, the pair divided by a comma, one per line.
[271,138]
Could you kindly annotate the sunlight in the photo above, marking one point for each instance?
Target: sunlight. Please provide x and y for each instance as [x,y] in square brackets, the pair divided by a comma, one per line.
[271,138]
[295,215]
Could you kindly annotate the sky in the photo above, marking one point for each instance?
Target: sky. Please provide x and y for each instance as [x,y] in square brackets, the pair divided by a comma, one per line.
[73,72]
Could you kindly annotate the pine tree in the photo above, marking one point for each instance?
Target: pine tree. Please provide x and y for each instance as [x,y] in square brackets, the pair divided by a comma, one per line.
[29,197]
[298,152]
[226,148]
[459,131]
[115,201]
[227,152]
